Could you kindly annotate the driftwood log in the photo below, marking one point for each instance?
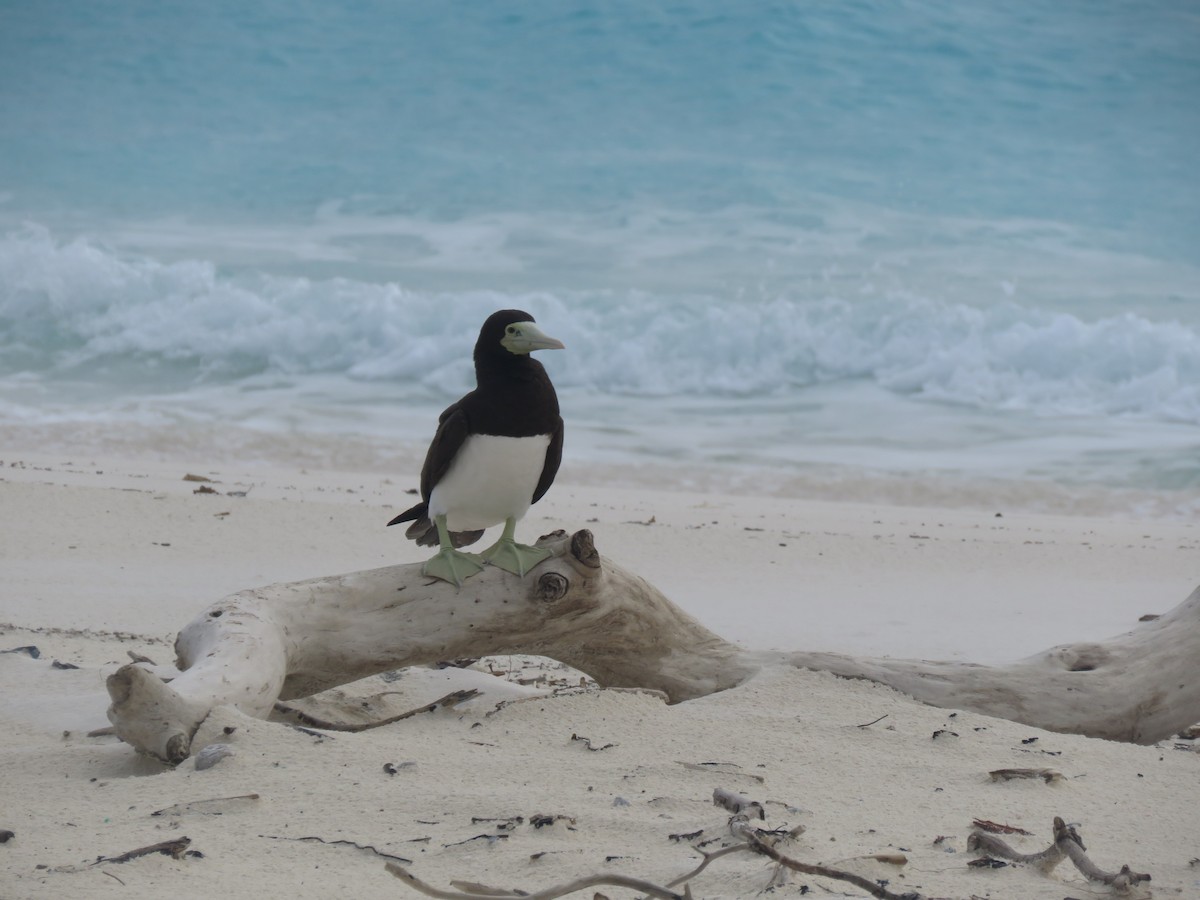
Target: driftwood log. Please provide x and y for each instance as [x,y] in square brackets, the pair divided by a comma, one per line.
[285,641]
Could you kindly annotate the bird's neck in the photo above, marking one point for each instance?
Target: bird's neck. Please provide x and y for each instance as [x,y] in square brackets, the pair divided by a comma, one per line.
[520,383]
[513,370]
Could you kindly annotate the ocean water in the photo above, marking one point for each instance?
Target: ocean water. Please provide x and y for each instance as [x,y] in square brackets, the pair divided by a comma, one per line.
[928,252]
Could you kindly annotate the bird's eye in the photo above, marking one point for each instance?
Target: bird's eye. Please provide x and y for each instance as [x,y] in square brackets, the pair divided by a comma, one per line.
[510,329]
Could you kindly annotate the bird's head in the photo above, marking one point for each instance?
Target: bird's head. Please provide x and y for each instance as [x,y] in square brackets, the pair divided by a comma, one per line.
[515,331]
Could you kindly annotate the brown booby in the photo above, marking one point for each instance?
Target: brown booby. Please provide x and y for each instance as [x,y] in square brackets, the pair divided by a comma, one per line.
[495,454]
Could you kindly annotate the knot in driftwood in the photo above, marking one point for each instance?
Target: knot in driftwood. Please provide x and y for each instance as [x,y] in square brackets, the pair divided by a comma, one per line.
[552,586]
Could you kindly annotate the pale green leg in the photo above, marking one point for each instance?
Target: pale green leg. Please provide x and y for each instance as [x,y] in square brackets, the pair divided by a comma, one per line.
[510,556]
[450,564]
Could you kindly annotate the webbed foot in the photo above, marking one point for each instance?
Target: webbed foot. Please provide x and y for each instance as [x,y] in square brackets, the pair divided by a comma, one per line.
[452,565]
[510,556]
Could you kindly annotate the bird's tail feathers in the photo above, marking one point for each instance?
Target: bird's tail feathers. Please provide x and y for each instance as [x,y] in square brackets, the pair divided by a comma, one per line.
[418,512]
[424,532]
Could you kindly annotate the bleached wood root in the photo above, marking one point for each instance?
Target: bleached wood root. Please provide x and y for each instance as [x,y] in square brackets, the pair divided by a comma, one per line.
[1139,687]
[292,640]
[284,641]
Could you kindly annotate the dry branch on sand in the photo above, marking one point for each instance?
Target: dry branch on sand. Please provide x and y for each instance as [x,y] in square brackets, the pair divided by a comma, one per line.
[284,641]
[1067,845]
[749,838]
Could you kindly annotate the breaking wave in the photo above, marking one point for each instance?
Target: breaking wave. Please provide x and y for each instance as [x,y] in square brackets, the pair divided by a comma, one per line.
[76,310]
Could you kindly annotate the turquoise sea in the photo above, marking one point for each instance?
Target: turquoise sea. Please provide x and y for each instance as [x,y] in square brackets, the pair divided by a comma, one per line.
[919,251]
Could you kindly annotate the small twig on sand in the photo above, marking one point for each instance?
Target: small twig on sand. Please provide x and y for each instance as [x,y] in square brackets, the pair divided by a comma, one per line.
[758,842]
[354,844]
[759,845]
[587,742]
[317,734]
[174,849]
[997,828]
[710,768]
[1067,844]
[1047,775]
[634,884]
[708,857]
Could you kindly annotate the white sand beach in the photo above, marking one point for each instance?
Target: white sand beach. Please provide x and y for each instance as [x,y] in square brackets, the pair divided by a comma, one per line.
[871,353]
[107,557]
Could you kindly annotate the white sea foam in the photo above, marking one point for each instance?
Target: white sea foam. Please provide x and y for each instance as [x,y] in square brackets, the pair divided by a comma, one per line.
[75,311]
[809,391]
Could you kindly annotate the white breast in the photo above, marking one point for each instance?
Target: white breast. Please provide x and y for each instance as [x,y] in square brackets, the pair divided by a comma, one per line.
[490,479]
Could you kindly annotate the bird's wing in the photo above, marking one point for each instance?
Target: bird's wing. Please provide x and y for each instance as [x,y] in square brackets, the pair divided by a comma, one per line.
[453,427]
[553,458]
